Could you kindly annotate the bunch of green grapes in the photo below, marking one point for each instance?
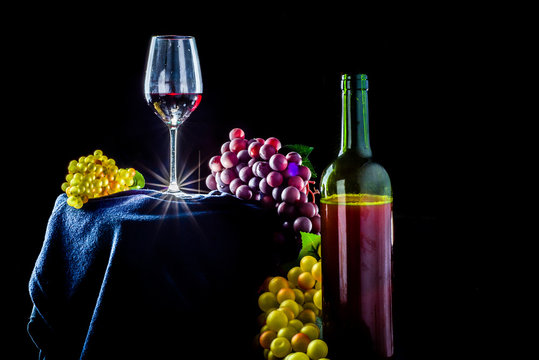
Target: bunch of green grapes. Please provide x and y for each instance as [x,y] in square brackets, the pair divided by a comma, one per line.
[94,176]
[290,308]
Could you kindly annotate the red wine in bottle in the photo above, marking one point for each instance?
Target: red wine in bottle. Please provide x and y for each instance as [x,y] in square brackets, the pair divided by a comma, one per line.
[357,237]
[173,108]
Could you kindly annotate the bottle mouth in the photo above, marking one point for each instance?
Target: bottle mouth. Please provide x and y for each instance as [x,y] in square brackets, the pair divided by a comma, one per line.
[173,37]
[354,81]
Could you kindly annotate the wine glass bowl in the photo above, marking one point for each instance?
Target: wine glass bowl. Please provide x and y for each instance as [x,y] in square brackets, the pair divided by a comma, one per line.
[173,87]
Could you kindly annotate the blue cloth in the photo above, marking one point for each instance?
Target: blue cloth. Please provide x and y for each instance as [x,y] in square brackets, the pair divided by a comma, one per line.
[136,275]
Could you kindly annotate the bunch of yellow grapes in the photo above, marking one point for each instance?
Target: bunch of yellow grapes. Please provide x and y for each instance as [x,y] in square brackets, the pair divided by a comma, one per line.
[290,307]
[94,176]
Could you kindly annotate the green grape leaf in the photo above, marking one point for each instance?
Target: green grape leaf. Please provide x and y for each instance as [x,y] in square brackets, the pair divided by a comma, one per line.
[138,181]
[304,151]
[309,245]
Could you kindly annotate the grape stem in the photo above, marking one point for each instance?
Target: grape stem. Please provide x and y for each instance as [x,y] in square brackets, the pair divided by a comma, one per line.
[313,193]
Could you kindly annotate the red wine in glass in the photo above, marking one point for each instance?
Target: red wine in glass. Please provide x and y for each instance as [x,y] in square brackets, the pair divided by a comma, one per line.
[173,108]
[173,88]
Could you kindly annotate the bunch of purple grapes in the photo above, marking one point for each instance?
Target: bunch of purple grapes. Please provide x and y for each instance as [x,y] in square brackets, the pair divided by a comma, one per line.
[254,169]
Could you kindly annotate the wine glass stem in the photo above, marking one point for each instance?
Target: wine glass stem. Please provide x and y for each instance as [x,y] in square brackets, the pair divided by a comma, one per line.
[173,184]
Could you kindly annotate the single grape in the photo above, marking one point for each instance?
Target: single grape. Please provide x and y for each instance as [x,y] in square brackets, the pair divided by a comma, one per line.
[225,147]
[236,133]
[253,184]
[290,195]
[273,142]
[215,163]
[317,349]
[243,156]
[244,192]
[227,175]
[294,157]
[81,166]
[280,347]
[276,193]
[306,282]
[287,332]
[263,169]
[254,149]
[255,166]
[316,222]
[317,299]
[307,209]
[286,225]
[310,329]
[122,173]
[234,184]
[78,202]
[307,262]
[72,167]
[218,179]
[278,162]
[292,305]
[264,187]
[238,144]
[304,172]
[286,210]
[266,338]
[277,283]
[274,179]
[71,200]
[229,159]
[297,182]
[316,270]
[276,320]
[285,294]
[267,151]
[300,298]
[223,188]
[246,173]
[299,342]
[267,301]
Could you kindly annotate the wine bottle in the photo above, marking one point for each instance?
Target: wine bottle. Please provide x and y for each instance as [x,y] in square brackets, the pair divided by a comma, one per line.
[357,238]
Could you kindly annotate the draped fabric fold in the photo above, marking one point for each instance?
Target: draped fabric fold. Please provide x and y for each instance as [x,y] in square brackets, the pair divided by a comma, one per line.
[138,275]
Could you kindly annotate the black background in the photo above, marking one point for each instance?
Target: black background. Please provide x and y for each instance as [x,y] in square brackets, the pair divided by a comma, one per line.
[75,84]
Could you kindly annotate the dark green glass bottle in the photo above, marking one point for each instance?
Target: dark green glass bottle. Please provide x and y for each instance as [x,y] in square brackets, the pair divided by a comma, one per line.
[357,237]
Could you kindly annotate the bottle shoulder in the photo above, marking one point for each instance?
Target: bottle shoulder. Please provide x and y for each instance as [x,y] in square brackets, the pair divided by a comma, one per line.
[352,174]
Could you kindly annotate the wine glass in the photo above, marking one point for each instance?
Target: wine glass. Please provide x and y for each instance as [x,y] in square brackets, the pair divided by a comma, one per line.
[173,88]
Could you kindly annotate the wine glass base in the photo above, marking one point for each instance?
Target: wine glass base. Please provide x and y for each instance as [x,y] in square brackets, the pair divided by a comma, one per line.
[175,191]
[173,188]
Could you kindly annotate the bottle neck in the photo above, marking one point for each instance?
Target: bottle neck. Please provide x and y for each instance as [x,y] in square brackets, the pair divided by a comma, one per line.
[355,121]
